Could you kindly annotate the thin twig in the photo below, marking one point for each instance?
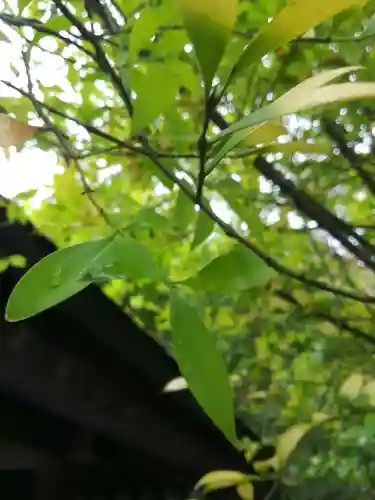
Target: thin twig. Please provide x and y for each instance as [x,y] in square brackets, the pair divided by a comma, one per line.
[337,133]
[65,146]
[101,57]
[338,322]
[232,233]
[105,66]
[93,130]
[202,149]
[41,28]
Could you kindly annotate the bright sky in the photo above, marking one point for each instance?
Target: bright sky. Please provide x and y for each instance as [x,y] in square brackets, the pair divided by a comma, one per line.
[31,168]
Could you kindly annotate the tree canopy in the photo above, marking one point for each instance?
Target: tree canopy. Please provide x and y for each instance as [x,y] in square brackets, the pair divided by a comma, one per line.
[217,181]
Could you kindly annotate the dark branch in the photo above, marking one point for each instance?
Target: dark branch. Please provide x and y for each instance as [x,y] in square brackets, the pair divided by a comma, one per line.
[101,57]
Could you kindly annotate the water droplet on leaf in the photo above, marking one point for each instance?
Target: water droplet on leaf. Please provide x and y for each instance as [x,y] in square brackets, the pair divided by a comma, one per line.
[56,278]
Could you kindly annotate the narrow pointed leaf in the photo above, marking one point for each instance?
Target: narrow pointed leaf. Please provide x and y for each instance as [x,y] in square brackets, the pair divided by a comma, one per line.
[52,280]
[203,229]
[220,479]
[209,24]
[266,133]
[240,269]
[245,491]
[292,103]
[289,148]
[352,386]
[288,441]
[299,93]
[125,258]
[68,271]
[201,364]
[144,29]
[294,20]
[22,4]
[160,82]
[184,212]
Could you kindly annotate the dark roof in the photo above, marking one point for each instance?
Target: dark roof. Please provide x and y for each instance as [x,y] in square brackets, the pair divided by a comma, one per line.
[82,381]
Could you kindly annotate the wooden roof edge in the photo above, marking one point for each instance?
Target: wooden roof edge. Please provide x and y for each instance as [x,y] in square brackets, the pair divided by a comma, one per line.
[93,308]
[111,326]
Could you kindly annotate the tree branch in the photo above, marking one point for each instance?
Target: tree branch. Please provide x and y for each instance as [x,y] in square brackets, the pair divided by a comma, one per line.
[338,322]
[40,28]
[101,57]
[65,146]
[232,233]
[337,134]
[336,227]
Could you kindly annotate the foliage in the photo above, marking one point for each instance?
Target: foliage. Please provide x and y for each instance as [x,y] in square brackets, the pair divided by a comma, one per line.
[217,168]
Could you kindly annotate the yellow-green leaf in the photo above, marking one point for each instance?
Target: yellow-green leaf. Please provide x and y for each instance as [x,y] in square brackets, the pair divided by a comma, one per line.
[221,479]
[265,133]
[203,229]
[290,102]
[237,270]
[369,391]
[160,81]
[201,364]
[289,148]
[319,417]
[288,441]
[297,17]
[22,4]
[209,24]
[184,212]
[144,29]
[301,97]
[245,491]
[352,386]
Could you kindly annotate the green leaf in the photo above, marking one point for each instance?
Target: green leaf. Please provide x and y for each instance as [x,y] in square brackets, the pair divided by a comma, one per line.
[148,218]
[369,423]
[203,229]
[352,386]
[369,27]
[201,364]
[184,212]
[307,94]
[294,20]
[288,441]
[22,4]
[68,271]
[220,479]
[209,24]
[156,92]
[17,261]
[239,269]
[4,264]
[289,148]
[245,491]
[150,166]
[52,280]
[144,29]
[266,133]
[58,23]
[286,103]
[125,258]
